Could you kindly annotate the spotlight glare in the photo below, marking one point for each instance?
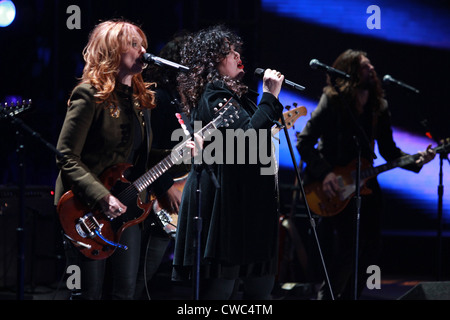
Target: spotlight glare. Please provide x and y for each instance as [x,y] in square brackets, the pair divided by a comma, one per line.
[7,13]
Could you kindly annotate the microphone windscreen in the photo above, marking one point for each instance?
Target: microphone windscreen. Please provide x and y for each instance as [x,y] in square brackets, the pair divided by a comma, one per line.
[259,72]
[313,63]
[387,78]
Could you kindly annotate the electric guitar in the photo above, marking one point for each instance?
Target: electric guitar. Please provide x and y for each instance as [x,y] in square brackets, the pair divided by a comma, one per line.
[290,117]
[14,109]
[96,236]
[168,220]
[321,205]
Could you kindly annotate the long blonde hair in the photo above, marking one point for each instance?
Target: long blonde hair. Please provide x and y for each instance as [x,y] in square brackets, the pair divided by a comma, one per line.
[102,55]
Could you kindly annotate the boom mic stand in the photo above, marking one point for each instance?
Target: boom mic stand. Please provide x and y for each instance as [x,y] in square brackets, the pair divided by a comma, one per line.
[22,127]
[443,155]
[198,222]
[357,181]
[311,219]
[440,190]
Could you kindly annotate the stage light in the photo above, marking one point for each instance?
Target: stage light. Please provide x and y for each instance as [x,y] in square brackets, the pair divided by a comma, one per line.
[7,13]
[404,21]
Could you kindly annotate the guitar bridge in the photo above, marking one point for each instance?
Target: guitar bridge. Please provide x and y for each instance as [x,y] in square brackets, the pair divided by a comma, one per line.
[87,225]
[164,217]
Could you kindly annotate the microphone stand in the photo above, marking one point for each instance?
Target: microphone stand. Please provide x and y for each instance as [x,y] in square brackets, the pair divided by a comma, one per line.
[358,215]
[311,219]
[357,182]
[440,223]
[21,164]
[198,222]
[440,191]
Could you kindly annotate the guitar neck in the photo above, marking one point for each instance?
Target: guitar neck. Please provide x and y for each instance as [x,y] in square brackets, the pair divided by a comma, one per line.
[175,157]
[400,162]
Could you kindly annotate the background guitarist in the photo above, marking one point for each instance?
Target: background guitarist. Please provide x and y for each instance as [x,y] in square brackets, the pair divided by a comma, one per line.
[358,110]
[107,122]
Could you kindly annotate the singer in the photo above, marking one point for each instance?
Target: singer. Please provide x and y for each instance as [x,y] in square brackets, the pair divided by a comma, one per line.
[351,112]
[239,231]
[107,123]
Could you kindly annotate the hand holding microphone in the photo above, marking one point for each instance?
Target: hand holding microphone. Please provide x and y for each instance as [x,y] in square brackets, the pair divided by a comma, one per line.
[272,82]
[259,72]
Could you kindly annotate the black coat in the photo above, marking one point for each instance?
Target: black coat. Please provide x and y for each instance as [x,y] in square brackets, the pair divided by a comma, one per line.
[240,219]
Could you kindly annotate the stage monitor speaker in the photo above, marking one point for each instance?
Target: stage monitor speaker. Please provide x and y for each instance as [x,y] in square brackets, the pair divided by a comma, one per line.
[438,290]
[40,231]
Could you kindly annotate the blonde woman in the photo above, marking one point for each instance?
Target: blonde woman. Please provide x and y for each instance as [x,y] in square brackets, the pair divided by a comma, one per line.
[105,124]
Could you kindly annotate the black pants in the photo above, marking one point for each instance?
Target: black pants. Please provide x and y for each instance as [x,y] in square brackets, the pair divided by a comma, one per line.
[340,245]
[113,278]
[154,245]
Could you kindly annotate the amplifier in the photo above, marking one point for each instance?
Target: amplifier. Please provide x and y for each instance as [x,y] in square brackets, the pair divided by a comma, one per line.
[41,233]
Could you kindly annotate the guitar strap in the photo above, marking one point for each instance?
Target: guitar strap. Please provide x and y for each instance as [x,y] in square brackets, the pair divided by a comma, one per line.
[148,129]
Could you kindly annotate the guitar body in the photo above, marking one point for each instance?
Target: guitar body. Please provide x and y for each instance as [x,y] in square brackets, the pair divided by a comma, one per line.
[91,231]
[77,219]
[168,221]
[320,204]
[318,201]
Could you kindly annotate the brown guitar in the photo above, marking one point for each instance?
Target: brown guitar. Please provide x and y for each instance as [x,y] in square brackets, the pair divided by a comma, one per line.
[168,221]
[290,117]
[91,231]
[321,205]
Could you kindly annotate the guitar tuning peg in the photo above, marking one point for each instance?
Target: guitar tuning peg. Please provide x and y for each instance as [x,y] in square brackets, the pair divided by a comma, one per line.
[288,108]
[215,109]
[295,104]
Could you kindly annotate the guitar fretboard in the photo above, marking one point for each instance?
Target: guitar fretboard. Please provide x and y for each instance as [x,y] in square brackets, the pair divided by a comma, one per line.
[176,156]
[400,162]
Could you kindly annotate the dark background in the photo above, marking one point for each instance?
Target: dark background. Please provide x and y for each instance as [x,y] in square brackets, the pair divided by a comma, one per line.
[40,59]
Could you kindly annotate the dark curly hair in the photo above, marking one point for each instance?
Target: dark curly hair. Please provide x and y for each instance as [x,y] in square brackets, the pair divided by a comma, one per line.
[167,77]
[202,53]
[349,62]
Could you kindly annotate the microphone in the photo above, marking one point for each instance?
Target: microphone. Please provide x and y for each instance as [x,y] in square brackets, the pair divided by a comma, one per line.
[388,78]
[260,73]
[150,58]
[317,65]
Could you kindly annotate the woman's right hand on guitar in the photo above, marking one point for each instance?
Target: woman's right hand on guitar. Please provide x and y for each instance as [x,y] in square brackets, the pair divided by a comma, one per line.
[170,201]
[112,207]
[330,185]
